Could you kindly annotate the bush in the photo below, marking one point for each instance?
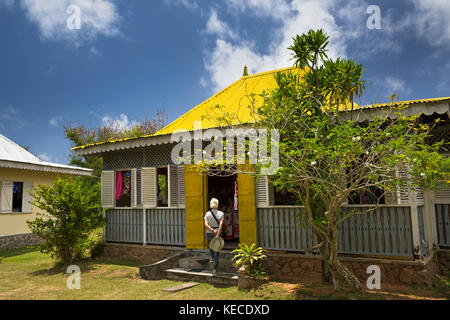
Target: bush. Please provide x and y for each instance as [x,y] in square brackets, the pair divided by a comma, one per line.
[71,212]
[249,255]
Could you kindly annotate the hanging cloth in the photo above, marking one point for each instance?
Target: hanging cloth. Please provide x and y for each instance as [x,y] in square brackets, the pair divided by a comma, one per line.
[118,184]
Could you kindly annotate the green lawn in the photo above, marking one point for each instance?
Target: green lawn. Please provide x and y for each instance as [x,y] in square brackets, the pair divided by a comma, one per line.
[28,274]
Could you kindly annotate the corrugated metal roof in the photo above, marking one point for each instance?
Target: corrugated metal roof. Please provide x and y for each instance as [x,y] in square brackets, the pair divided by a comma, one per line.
[11,155]
[406,103]
[234,100]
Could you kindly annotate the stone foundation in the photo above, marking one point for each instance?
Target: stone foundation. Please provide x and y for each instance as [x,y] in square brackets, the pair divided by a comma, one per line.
[294,267]
[143,254]
[19,241]
[444,260]
[299,267]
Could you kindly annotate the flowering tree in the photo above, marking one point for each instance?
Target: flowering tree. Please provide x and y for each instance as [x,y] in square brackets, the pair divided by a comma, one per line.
[325,159]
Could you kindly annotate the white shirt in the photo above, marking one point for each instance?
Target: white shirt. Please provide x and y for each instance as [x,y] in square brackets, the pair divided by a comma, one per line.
[211,221]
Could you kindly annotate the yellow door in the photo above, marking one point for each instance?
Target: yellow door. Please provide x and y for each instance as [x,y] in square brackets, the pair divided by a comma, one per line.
[195,202]
[247,207]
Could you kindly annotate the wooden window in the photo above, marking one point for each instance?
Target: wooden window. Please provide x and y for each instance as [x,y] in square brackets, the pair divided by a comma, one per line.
[15,197]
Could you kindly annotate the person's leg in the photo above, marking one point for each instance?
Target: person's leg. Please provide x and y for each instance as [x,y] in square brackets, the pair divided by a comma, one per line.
[216,261]
[209,237]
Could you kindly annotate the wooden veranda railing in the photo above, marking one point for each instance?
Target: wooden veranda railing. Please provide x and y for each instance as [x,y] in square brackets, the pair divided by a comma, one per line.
[165,226]
[386,231]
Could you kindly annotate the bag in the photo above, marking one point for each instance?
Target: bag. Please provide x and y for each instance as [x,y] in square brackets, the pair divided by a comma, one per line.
[223,234]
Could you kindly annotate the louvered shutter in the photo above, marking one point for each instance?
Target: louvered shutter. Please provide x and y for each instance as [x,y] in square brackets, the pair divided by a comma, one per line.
[442,194]
[400,195]
[181,186]
[172,177]
[264,192]
[108,189]
[404,191]
[149,187]
[6,196]
[133,188]
[27,207]
[138,188]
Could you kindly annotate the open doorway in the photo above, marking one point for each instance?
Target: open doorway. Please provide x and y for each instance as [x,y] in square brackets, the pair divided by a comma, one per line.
[225,190]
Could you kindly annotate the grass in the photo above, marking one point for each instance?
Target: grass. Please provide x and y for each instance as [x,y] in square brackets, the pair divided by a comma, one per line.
[28,274]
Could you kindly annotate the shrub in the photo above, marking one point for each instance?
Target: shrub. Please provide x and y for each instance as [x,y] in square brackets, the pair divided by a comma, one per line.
[250,256]
[71,211]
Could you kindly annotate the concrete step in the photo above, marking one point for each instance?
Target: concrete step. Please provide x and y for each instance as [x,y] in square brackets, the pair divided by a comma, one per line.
[200,261]
[220,278]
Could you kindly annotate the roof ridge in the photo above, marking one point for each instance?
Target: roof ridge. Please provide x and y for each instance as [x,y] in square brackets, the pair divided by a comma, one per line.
[22,149]
[221,92]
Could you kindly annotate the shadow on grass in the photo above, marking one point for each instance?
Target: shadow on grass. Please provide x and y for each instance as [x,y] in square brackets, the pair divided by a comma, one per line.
[16,252]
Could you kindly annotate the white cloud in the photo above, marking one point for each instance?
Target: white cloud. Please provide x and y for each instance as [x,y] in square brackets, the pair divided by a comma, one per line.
[95,52]
[226,61]
[431,20]
[98,17]
[45,157]
[218,27]
[55,121]
[122,122]
[263,8]
[11,118]
[190,4]
[396,85]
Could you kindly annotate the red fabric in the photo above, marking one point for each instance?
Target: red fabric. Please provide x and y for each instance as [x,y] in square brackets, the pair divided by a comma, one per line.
[118,184]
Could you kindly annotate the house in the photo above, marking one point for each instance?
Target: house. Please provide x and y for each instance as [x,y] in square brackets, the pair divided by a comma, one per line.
[154,201]
[20,171]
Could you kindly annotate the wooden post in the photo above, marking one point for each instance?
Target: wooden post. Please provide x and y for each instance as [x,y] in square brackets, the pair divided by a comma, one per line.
[144,226]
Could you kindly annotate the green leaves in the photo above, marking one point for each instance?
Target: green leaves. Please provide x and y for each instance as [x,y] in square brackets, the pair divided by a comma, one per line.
[71,211]
[249,255]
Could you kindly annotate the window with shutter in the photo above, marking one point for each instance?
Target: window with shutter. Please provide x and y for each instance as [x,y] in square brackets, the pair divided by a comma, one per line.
[262,191]
[108,189]
[133,189]
[27,207]
[149,187]
[6,196]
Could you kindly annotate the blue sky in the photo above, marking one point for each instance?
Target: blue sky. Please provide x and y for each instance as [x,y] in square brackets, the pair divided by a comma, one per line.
[130,58]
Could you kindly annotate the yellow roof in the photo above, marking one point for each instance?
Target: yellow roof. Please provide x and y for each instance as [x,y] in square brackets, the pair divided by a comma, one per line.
[234,100]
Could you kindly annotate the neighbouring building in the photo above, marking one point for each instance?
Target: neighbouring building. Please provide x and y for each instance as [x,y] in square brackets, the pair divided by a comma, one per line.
[20,171]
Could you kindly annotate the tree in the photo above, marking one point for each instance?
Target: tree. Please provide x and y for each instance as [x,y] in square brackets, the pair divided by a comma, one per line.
[324,159]
[71,211]
[80,136]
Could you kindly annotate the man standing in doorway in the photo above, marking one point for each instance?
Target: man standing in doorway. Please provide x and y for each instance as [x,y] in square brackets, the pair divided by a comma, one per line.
[214,225]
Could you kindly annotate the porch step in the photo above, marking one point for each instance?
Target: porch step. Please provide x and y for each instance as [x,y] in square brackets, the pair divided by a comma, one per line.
[199,260]
[220,278]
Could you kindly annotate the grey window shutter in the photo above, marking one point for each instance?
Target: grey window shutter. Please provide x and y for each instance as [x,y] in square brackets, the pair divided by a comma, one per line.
[181,186]
[108,189]
[401,194]
[149,188]
[27,207]
[6,196]
[138,187]
[264,192]
[133,189]
[172,177]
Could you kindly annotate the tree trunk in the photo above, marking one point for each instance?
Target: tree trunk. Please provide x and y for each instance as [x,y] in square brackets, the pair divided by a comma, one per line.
[325,258]
[336,265]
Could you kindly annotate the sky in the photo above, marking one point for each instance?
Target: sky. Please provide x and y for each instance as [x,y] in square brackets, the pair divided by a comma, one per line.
[86,62]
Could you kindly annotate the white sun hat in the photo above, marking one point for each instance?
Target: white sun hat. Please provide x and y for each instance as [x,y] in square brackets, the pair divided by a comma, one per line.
[216,244]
